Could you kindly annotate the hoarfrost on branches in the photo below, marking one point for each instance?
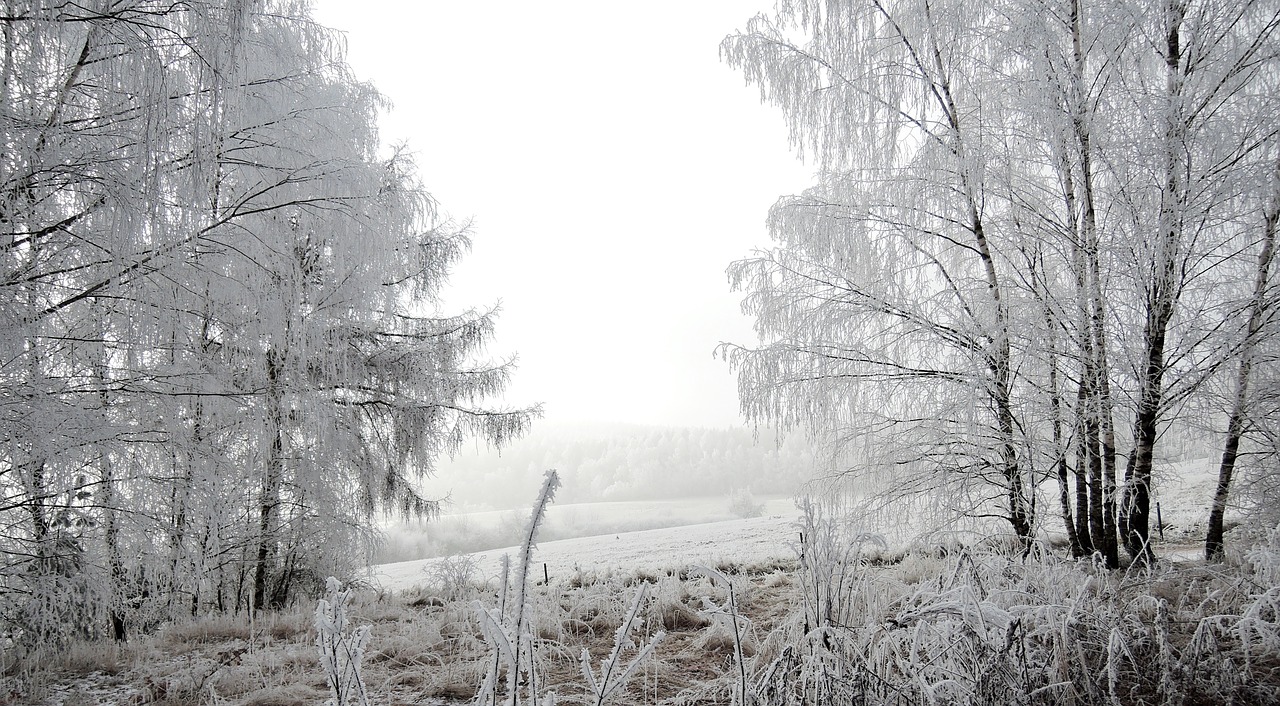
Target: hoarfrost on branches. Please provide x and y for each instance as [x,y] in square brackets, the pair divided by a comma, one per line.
[1039,228]
[223,350]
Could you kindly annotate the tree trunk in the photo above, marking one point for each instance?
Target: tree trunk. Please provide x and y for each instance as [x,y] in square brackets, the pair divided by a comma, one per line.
[999,357]
[1088,522]
[1082,504]
[268,530]
[1099,442]
[1162,298]
[36,498]
[1101,413]
[1093,463]
[1137,477]
[1136,510]
[1213,542]
[1106,467]
[1107,447]
[111,536]
[1059,446]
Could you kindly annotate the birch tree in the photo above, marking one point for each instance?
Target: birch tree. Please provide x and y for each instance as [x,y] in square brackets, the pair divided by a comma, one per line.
[79,160]
[1028,239]
[224,351]
[1261,313]
[886,307]
[1063,56]
[1199,71]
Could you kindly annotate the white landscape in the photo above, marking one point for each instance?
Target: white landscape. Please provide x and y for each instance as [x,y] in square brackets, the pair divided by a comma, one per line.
[741,352]
[416,655]
[758,541]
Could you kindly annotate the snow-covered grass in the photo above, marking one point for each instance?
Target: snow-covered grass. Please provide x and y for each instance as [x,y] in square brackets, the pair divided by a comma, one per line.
[847,626]
[837,618]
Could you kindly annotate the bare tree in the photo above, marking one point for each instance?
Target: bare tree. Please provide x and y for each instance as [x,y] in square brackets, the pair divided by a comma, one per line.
[1195,72]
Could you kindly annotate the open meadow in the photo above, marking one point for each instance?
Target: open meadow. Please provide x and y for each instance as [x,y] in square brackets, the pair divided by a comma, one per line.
[470,532]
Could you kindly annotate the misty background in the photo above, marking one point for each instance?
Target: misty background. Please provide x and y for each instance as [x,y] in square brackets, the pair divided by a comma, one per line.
[606,197]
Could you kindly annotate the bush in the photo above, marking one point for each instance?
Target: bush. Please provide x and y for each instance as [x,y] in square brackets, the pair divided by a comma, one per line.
[743,504]
[455,576]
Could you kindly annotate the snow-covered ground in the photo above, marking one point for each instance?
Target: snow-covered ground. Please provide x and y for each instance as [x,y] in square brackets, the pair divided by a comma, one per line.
[746,541]
[1182,489]
[464,533]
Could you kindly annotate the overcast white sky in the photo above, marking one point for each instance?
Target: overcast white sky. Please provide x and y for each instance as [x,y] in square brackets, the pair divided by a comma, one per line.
[613,167]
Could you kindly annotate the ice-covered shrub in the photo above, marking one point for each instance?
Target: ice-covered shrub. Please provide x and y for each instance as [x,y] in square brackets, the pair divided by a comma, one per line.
[454,576]
[980,626]
[831,551]
[743,504]
[730,617]
[1264,558]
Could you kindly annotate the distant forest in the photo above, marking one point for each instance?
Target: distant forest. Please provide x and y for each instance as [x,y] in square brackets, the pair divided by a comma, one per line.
[627,462]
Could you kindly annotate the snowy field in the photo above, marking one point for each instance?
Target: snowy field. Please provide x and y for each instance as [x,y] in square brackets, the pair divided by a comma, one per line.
[744,542]
[1183,491]
[472,532]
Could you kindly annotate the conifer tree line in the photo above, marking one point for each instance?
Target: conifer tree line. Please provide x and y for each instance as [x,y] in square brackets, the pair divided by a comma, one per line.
[221,351]
[1039,246]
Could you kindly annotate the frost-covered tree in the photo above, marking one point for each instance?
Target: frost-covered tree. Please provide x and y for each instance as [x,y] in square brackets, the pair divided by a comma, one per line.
[1190,170]
[1061,60]
[326,292]
[1247,408]
[83,219]
[223,346]
[886,309]
[1034,233]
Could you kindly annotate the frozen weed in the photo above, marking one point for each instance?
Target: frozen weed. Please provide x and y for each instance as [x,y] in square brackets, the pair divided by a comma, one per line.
[101,657]
[289,695]
[968,625]
[640,576]
[981,626]
[612,676]
[770,566]
[735,625]
[210,629]
[192,680]
[776,579]
[506,627]
[672,609]
[341,650]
